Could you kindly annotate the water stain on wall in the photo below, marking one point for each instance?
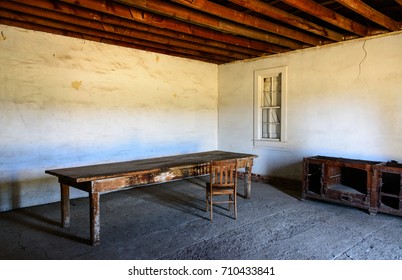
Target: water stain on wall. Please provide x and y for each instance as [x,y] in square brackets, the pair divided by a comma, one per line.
[76,84]
[65,57]
[2,36]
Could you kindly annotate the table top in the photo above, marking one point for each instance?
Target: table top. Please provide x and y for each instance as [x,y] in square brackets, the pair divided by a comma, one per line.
[117,169]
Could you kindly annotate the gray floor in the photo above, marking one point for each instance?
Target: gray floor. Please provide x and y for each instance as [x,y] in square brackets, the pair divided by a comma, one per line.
[168,221]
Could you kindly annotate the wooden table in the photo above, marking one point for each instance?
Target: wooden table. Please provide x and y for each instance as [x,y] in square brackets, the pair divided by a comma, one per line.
[100,178]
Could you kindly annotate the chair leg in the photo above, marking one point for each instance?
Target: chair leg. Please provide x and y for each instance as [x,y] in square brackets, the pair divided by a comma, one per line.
[235,205]
[206,201]
[210,204]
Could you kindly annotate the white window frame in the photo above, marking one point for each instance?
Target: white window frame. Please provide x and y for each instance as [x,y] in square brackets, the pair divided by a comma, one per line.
[259,76]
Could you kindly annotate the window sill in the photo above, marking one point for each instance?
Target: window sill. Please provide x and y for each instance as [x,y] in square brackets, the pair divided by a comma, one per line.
[267,144]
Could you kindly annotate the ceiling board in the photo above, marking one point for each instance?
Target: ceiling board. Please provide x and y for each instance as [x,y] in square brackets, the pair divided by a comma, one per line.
[215,31]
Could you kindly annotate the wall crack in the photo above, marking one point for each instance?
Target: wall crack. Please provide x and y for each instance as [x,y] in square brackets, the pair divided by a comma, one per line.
[364,58]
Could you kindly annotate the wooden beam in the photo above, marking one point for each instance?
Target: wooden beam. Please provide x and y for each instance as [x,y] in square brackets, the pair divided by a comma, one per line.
[62,32]
[278,14]
[182,36]
[189,15]
[121,14]
[166,23]
[243,18]
[370,13]
[116,29]
[323,13]
[102,36]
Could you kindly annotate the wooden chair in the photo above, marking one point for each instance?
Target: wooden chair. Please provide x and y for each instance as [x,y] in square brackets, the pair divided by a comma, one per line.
[223,181]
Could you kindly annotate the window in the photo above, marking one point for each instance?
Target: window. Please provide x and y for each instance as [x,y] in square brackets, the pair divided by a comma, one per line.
[270,107]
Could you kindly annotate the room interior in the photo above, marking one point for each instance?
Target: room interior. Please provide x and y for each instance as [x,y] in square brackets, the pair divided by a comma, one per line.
[92,82]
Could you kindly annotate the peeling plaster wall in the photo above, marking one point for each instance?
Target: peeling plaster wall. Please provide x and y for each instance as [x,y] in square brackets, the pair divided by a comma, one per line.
[343,100]
[67,102]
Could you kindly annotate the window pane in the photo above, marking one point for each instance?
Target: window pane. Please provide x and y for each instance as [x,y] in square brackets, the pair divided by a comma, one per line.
[265,115]
[265,130]
[271,95]
[275,115]
[275,131]
[270,108]
[276,90]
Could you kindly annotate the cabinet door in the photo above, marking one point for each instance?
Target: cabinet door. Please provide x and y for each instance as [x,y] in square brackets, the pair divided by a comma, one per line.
[390,192]
[313,178]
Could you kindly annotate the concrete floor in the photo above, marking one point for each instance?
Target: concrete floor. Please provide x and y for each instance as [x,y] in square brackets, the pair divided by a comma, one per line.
[168,221]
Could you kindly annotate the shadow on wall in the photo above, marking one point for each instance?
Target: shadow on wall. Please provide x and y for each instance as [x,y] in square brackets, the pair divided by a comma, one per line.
[16,193]
[287,178]
[23,181]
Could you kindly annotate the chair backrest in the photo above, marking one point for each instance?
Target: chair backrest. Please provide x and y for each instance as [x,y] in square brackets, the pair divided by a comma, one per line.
[223,173]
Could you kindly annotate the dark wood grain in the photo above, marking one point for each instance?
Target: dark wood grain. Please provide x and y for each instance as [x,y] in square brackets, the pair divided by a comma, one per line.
[126,168]
[101,178]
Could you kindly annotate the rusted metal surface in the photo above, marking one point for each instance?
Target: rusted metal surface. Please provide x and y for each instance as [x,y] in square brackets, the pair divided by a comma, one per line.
[97,179]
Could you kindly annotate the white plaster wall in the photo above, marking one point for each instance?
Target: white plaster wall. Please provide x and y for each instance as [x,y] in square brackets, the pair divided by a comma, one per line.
[343,100]
[67,102]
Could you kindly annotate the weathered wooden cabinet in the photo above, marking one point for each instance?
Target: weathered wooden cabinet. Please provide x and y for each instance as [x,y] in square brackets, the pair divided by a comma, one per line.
[339,180]
[387,187]
[371,185]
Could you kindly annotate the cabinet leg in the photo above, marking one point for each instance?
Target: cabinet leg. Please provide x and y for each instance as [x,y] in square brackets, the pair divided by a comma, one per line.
[372,211]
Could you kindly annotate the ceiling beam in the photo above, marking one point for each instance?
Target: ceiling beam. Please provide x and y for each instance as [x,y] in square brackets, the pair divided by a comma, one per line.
[216,31]
[370,13]
[62,32]
[255,22]
[185,14]
[323,13]
[93,33]
[113,24]
[165,23]
[281,15]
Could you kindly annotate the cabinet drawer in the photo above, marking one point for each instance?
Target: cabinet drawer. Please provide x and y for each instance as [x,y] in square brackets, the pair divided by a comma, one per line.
[353,199]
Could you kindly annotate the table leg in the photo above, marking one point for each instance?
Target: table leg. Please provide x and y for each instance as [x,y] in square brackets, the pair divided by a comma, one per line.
[94,215]
[65,205]
[247,180]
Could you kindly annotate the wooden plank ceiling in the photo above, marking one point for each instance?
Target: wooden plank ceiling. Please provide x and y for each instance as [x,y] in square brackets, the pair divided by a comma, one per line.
[216,31]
